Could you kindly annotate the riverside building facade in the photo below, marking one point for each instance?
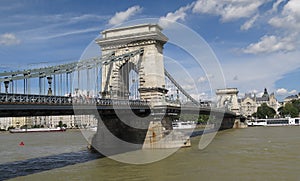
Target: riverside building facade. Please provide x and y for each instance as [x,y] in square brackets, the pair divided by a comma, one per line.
[250,102]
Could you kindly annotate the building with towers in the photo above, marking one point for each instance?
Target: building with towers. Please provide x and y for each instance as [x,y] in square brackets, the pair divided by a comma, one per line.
[250,102]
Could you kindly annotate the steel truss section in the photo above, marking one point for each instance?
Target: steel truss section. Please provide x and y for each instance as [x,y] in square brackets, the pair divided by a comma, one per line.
[44,99]
[66,68]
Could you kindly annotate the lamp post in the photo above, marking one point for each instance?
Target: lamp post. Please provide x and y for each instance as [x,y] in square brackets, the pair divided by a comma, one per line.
[50,83]
[110,91]
[6,83]
[76,92]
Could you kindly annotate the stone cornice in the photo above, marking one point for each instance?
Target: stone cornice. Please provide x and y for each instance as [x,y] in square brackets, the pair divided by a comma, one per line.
[131,44]
[132,36]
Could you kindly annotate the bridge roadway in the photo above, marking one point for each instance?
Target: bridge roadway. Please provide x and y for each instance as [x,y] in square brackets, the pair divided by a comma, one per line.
[19,105]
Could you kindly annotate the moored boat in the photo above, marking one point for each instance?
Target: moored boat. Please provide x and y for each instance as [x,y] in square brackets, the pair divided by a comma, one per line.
[36,130]
[275,122]
[183,124]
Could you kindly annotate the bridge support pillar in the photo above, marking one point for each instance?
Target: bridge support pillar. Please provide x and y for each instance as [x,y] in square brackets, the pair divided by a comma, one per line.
[116,136]
[160,135]
[240,122]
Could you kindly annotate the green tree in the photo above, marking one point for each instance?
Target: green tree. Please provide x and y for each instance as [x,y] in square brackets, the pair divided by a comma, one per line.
[24,126]
[289,110]
[200,119]
[264,111]
[188,117]
[60,124]
[10,127]
[203,119]
[296,104]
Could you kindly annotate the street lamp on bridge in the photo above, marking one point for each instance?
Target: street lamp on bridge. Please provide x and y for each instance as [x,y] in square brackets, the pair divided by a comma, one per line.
[6,83]
[49,82]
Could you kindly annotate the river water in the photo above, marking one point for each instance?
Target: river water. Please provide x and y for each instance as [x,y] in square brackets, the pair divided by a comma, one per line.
[258,153]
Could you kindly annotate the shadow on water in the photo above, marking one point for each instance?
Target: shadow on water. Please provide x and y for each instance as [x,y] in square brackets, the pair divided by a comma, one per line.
[35,165]
[201,132]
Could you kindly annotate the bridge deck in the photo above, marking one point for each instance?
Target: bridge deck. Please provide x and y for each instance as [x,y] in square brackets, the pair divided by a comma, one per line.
[41,105]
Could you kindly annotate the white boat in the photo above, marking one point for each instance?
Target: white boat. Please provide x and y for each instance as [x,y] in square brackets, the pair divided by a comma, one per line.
[275,122]
[257,122]
[183,124]
[36,130]
[93,129]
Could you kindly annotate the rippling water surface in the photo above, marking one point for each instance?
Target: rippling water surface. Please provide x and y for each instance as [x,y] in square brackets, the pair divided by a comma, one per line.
[260,153]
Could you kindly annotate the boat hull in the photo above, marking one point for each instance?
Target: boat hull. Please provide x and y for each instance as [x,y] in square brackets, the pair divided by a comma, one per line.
[37,130]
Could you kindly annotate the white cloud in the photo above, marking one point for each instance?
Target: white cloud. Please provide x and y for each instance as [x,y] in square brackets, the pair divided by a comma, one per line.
[254,91]
[179,14]
[86,17]
[248,24]
[272,43]
[276,4]
[260,72]
[122,16]
[289,19]
[206,78]
[293,92]
[228,10]
[202,79]
[55,25]
[188,87]
[287,23]
[260,94]
[68,33]
[8,39]
[283,91]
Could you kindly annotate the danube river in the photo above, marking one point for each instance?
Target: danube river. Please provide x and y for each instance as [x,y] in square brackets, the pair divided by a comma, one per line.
[259,153]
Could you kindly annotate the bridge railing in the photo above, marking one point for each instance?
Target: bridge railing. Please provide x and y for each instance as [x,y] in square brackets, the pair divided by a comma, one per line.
[47,99]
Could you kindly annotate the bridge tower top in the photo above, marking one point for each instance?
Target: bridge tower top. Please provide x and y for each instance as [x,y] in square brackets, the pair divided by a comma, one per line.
[228,98]
[125,37]
[148,66]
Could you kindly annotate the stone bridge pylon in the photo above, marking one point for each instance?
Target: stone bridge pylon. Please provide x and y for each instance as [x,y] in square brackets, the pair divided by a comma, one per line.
[227,98]
[147,66]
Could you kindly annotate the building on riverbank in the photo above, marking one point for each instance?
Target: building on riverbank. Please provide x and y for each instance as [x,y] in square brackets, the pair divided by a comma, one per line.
[71,121]
[250,102]
[291,98]
[5,123]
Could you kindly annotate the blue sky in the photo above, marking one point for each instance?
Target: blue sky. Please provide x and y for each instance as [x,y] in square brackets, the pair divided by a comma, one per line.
[256,42]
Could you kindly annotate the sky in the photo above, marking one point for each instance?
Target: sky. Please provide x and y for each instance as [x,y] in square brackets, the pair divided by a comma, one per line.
[255,42]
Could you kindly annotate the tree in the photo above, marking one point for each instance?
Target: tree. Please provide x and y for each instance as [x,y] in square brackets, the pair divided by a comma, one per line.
[264,111]
[296,104]
[203,119]
[188,117]
[289,110]
[10,127]
[24,126]
[60,124]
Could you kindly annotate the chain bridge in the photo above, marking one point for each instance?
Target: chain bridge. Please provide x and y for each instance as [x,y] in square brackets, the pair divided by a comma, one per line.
[128,77]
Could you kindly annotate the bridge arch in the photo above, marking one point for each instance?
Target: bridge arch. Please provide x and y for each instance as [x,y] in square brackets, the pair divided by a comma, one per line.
[127,74]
